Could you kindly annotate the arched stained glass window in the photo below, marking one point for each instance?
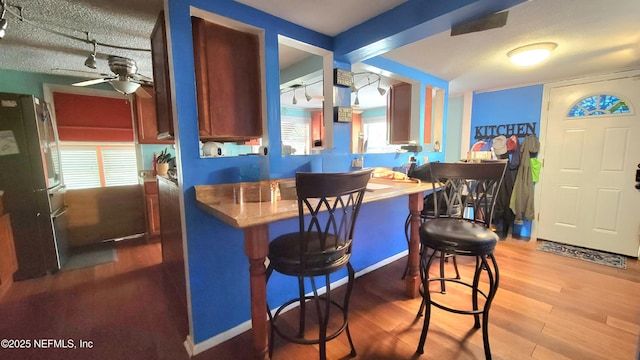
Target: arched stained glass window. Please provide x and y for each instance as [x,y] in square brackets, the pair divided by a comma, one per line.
[599,105]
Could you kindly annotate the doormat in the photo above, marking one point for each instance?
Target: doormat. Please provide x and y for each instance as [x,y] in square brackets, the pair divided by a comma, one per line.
[594,256]
[91,255]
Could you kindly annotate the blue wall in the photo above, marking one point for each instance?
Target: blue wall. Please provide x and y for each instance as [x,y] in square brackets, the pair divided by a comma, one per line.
[218,267]
[512,106]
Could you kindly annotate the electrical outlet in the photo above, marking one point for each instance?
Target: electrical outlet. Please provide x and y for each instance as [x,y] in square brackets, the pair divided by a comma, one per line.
[357,162]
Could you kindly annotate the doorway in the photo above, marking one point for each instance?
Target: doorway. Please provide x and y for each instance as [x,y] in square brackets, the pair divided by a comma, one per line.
[591,153]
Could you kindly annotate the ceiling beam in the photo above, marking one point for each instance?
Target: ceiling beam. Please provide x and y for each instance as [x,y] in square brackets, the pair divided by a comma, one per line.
[410,22]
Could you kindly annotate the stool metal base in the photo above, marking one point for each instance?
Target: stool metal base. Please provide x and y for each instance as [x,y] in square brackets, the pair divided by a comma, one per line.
[323,314]
[486,263]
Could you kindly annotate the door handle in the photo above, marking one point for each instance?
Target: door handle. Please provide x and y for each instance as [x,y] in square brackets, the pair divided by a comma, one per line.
[61,211]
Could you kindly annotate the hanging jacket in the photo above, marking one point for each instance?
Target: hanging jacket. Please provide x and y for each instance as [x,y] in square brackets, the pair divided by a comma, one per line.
[522,195]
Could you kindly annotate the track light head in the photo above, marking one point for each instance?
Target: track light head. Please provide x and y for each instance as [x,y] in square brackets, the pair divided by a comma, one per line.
[3,27]
[357,101]
[306,95]
[91,59]
[381,91]
[294,101]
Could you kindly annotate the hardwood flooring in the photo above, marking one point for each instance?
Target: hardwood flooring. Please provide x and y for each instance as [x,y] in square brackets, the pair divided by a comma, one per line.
[547,307]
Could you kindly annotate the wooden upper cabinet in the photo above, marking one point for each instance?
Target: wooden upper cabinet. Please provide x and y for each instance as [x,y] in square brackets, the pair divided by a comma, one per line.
[146,118]
[228,82]
[399,113]
[161,84]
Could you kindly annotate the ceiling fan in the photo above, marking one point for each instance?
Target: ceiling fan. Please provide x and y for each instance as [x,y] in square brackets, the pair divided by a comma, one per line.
[125,80]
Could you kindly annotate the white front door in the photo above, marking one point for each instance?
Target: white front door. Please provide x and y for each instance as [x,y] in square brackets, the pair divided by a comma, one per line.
[588,196]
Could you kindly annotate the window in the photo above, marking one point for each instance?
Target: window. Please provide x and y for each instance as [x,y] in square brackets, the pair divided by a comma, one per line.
[599,105]
[296,134]
[375,136]
[91,165]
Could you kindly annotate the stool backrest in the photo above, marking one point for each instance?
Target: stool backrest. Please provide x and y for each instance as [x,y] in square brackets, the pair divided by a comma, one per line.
[328,206]
[467,190]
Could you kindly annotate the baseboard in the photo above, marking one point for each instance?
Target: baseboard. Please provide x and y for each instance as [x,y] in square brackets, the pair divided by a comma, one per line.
[195,349]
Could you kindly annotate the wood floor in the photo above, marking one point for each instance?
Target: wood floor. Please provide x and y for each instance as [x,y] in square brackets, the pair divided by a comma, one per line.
[547,307]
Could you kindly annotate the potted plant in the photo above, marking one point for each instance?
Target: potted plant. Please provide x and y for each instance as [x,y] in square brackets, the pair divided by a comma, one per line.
[162,162]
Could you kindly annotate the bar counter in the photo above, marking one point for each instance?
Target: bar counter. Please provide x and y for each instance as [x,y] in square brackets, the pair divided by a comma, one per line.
[248,206]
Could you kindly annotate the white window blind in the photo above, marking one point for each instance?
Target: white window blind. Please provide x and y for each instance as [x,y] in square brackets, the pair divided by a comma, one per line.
[119,166]
[90,166]
[296,133]
[375,135]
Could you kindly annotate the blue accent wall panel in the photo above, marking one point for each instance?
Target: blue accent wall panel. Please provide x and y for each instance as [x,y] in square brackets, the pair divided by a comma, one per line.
[218,267]
[511,106]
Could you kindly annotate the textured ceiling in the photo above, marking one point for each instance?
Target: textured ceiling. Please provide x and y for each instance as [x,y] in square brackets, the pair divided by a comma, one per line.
[593,36]
[27,47]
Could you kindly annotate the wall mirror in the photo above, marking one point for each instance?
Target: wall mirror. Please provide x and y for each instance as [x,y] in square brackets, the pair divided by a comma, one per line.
[303,86]
[370,100]
[387,111]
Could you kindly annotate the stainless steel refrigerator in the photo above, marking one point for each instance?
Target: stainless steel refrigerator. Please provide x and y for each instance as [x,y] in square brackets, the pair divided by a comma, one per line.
[31,180]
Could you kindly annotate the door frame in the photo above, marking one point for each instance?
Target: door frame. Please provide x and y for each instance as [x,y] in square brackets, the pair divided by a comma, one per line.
[544,117]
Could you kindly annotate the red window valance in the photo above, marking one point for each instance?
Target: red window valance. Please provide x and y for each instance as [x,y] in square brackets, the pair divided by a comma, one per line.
[93,118]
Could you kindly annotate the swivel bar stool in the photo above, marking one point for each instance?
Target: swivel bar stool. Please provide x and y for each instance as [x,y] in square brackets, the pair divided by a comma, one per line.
[472,188]
[328,206]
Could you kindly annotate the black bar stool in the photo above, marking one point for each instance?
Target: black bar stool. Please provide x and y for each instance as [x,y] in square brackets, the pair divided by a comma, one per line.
[328,205]
[462,229]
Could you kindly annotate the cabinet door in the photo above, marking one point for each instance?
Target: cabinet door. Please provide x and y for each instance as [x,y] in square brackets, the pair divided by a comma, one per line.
[161,84]
[153,215]
[8,262]
[228,82]
[146,119]
[399,113]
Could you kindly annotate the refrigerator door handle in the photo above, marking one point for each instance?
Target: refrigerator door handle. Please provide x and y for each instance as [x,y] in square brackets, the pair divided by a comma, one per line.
[61,211]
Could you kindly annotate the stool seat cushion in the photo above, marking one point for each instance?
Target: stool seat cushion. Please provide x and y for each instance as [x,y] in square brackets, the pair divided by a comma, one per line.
[284,254]
[458,236]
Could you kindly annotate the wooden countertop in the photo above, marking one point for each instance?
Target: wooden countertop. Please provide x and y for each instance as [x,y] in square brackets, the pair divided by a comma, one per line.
[218,200]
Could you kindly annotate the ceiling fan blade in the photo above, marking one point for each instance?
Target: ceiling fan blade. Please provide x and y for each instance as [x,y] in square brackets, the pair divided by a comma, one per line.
[491,21]
[85,73]
[143,93]
[143,78]
[92,82]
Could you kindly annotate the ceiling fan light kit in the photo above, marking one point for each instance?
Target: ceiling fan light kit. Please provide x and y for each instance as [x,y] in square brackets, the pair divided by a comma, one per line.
[531,54]
[124,86]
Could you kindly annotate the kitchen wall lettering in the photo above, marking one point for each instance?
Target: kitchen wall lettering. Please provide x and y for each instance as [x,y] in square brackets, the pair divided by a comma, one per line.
[520,130]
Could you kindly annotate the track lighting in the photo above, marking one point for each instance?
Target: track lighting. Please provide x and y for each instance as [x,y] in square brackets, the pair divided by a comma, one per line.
[91,59]
[381,91]
[294,101]
[357,101]
[3,20]
[3,27]
[306,95]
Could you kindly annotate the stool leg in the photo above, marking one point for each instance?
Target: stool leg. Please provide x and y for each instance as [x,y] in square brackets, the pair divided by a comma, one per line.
[407,224]
[322,320]
[476,280]
[347,297]
[425,265]
[493,288]
[455,266]
[302,319]
[443,257]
